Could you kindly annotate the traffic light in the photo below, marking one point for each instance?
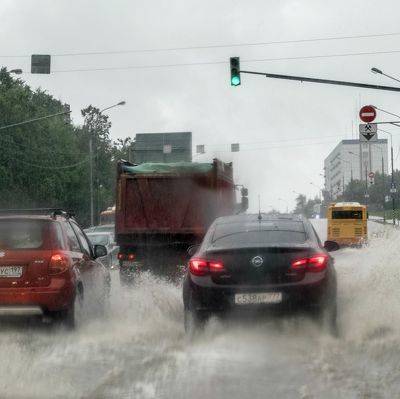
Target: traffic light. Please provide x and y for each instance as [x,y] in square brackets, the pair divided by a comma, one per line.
[235,71]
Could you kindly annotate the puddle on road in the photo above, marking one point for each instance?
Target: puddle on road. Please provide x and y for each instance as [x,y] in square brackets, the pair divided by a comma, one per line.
[140,350]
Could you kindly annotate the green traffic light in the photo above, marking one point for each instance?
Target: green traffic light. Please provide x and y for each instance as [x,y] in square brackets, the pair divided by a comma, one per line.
[235,81]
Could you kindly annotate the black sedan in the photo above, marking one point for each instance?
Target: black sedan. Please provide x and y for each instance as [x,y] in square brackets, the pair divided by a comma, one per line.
[260,262]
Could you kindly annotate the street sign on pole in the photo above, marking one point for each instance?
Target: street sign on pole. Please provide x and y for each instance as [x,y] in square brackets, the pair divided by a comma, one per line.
[368,132]
[200,149]
[235,147]
[40,63]
[371,175]
[367,113]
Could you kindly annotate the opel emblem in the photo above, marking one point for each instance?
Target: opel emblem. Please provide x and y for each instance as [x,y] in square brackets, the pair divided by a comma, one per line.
[257,261]
[2,254]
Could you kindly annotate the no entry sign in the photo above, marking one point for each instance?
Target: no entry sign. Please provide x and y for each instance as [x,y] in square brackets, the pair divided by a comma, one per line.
[367,113]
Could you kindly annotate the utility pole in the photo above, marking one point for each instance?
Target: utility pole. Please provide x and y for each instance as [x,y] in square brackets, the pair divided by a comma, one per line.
[384,184]
[393,187]
[91,178]
[366,185]
[91,160]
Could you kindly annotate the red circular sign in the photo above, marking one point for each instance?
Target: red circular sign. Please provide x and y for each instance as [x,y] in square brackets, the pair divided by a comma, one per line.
[367,113]
[371,175]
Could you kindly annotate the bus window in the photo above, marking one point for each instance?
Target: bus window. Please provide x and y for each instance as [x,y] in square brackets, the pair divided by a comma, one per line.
[347,215]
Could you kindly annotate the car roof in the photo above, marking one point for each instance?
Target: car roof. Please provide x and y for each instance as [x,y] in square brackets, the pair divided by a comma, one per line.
[259,217]
[32,217]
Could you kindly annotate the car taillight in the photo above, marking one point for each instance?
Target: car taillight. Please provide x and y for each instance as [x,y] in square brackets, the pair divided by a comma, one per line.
[202,267]
[122,256]
[315,263]
[59,263]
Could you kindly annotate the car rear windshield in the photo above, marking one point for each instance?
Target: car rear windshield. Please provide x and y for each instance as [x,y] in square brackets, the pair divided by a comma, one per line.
[346,214]
[23,234]
[232,234]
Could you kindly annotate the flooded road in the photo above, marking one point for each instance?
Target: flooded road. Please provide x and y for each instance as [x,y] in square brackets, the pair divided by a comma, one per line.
[140,349]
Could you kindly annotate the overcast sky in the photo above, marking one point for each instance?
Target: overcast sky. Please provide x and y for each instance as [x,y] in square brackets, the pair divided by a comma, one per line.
[285,129]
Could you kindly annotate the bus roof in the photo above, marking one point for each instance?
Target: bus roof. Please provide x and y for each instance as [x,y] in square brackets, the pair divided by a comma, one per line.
[347,205]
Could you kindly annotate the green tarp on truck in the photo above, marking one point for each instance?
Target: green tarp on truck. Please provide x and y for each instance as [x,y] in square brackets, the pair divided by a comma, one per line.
[169,168]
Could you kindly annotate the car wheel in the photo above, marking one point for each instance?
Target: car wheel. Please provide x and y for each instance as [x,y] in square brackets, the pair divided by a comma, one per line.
[70,317]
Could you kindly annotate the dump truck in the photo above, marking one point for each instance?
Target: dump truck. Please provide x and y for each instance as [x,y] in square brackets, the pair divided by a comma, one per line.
[164,208]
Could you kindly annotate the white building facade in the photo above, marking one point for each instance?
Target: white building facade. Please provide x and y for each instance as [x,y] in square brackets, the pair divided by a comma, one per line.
[354,160]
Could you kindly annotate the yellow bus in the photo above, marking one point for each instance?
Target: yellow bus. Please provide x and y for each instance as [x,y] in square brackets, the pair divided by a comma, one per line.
[347,223]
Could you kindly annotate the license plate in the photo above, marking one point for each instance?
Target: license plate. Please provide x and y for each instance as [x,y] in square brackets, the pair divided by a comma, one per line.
[258,298]
[11,271]
[130,264]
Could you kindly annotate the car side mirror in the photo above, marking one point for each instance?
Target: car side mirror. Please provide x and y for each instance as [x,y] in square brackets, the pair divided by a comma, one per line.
[331,246]
[192,249]
[99,251]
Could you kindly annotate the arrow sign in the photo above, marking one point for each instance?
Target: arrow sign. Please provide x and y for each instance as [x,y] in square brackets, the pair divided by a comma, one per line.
[368,132]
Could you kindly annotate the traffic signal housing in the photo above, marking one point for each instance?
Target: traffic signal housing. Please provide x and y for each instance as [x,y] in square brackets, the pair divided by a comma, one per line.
[235,71]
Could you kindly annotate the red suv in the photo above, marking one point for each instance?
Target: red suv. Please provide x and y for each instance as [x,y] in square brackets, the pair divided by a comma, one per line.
[48,266]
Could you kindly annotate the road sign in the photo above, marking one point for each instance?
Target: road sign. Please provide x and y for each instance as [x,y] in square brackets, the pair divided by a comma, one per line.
[371,175]
[393,190]
[366,195]
[235,147]
[367,113]
[40,63]
[368,131]
[200,149]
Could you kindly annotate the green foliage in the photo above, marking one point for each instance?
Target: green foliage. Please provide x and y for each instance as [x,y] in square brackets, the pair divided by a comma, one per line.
[46,163]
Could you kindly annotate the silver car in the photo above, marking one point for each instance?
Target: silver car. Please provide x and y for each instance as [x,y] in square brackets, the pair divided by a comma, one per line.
[105,238]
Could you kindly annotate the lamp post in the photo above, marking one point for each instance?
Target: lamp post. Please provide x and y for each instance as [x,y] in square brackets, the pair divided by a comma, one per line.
[380,72]
[91,163]
[16,71]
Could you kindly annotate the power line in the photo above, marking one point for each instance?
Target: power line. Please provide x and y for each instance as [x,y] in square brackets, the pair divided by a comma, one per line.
[214,46]
[150,66]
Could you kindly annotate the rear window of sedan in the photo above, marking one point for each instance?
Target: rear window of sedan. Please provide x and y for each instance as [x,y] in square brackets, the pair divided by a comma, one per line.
[20,234]
[265,232]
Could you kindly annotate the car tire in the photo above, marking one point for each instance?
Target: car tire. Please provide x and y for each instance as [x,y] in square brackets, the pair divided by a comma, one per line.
[70,317]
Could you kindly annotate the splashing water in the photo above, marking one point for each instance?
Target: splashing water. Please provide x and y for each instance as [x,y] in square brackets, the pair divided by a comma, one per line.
[140,350]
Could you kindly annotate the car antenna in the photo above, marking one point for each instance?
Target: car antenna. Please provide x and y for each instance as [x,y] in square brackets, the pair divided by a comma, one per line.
[259,217]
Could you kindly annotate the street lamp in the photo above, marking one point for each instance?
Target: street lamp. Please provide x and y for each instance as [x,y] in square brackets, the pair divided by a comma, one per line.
[91,163]
[17,71]
[380,72]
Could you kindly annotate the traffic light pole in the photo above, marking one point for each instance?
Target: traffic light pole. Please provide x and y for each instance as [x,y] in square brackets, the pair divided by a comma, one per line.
[323,81]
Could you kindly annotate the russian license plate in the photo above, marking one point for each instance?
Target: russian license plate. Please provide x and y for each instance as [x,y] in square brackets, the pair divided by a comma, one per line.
[10,271]
[258,298]
[130,264]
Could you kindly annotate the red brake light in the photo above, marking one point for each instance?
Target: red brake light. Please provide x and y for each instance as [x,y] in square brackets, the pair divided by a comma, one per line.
[198,267]
[121,256]
[59,263]
[315,263]
[131,257]
[202,267]
[215,266]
